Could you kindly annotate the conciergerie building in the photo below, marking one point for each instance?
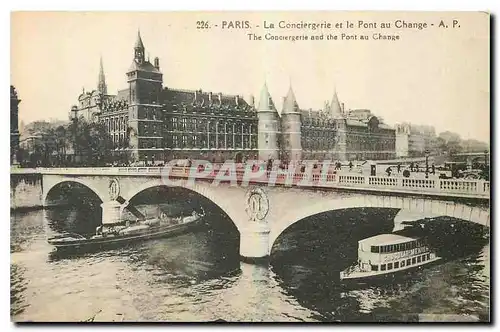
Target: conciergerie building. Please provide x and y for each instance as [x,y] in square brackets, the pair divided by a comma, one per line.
[152,123]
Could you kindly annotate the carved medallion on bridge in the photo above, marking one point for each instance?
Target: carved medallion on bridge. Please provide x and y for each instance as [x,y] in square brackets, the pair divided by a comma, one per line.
[257,204]
[114,189]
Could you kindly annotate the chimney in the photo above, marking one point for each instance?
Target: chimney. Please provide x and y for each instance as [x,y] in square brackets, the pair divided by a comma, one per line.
[210,98]
[237,99]
[342,108]
[220,98]
[157,63]
[252,100]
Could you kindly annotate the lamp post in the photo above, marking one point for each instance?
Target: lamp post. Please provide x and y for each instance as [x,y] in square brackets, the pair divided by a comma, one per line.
[426,164]
[74,118]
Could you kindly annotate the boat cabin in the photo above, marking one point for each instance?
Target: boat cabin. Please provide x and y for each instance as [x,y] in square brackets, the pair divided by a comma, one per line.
[386,252]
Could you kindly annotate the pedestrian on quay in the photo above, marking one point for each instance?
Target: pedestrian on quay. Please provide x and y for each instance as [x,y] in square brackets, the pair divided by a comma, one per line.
[388,171]
[399,168]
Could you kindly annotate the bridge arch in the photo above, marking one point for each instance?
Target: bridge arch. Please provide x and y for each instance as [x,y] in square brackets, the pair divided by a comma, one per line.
[202,189]
[410,204]
[89,185]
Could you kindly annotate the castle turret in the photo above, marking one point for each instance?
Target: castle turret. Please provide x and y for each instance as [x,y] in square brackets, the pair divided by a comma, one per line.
[268,127]
[291,128]
[336,112]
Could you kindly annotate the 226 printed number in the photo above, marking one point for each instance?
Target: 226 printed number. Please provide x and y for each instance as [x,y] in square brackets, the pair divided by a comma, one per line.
[202,25]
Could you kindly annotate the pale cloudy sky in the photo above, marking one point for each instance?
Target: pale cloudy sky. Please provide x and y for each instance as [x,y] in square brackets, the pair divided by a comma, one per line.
[434,76]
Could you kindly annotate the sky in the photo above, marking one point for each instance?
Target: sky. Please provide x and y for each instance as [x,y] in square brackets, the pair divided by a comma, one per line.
[434,76]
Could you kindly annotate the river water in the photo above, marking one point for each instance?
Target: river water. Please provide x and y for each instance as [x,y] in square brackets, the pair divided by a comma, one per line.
[199,277]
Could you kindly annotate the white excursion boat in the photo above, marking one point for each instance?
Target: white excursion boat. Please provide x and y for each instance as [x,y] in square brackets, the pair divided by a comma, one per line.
[387,254]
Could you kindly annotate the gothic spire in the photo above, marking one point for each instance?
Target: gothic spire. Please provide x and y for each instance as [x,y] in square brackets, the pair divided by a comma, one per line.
[101,85]
[335,109]
[138,43]
[290,104]
[139,49]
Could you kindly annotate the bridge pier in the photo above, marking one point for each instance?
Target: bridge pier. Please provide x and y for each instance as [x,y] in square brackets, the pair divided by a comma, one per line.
[254,242]
[111,212]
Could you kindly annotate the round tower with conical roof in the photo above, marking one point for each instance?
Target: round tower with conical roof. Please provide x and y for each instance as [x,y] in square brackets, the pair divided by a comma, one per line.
[337,113]
[291,128]
[268,128]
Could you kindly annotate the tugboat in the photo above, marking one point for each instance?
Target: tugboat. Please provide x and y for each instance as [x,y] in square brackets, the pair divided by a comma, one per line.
[387,254]
[119,234]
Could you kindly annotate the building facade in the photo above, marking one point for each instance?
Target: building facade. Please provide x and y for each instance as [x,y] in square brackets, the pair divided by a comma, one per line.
[152,123]
[413,140]
[14,125]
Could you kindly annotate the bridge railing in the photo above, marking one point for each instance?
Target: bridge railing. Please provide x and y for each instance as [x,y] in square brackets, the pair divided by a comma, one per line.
[473,187]
[331,180]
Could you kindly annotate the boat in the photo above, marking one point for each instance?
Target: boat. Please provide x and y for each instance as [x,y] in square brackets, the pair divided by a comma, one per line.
[119,234]
[386,255]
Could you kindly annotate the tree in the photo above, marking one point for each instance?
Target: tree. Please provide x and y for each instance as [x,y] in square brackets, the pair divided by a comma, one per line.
[61,143]
[99,144]
[472,145]
[91,141]
[449,143]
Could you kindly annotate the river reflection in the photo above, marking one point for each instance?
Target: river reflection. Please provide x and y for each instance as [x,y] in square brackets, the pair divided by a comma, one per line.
[199,277]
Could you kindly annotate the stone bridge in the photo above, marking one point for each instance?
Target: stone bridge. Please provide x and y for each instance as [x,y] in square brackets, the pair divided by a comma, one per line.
[262,212]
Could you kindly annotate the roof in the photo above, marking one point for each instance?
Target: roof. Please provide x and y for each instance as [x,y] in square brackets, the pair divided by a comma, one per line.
[384,239]
[13,92]
[145,66]
[351,122]
[335,109]
[290,103]
[138,42]
[187,97]
[266,102]
[314,114]
[123,94]
[384,126]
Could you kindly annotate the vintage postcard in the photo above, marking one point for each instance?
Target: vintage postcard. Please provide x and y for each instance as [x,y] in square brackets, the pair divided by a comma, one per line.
[250,167]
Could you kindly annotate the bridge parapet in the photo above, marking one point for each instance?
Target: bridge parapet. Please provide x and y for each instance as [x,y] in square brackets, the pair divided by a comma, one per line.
[434,187]
[470,188]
